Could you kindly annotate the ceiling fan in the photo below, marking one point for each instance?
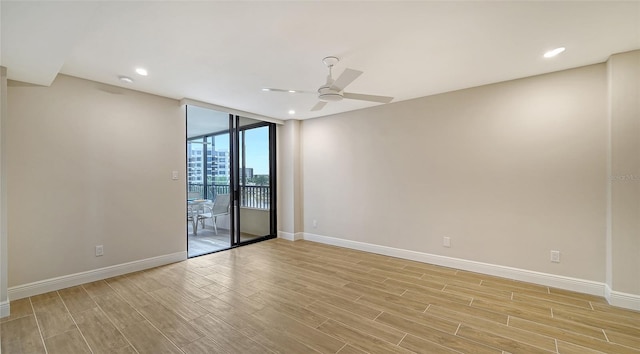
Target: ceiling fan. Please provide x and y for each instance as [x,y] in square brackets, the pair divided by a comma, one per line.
[333,90]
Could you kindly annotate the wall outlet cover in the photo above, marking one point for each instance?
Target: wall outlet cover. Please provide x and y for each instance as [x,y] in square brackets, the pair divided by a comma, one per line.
[446,241]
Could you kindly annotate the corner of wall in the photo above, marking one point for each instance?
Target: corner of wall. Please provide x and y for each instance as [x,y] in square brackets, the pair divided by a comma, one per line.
[623,180]
[608,232]
[5,309]
[289,181]
[620,299]
[289,236]
[4,299]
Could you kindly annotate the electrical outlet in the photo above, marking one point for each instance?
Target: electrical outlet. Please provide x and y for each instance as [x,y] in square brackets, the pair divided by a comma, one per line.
[99,250]
[315,224]
[555,256]
[446,241]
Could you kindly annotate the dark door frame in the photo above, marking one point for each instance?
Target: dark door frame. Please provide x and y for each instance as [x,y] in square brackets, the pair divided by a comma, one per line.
[234,141]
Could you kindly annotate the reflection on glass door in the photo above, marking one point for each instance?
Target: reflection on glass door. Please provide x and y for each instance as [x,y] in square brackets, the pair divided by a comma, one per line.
[230,181]
[208,181]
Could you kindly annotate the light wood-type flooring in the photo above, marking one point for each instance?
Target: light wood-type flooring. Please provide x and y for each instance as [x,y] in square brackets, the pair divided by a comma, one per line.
[303,297]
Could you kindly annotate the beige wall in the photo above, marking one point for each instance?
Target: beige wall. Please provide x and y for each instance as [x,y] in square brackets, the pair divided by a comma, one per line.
[508,171]
[624,232]
[91,164]
[255,221]
[290,207]
[3,187]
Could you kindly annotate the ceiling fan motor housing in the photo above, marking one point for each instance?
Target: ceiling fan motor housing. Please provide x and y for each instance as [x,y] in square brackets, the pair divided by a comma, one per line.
[325,93]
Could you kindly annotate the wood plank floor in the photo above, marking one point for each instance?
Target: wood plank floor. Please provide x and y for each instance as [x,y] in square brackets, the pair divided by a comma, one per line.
[303,297]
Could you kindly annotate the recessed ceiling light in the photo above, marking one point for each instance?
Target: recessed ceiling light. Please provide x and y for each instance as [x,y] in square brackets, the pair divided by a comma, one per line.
[142,71]
[292,91]
[126,79]
[553,53]
[266,89]
[291,111]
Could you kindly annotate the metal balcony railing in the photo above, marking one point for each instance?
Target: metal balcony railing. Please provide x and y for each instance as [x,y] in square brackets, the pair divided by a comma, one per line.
[257,197]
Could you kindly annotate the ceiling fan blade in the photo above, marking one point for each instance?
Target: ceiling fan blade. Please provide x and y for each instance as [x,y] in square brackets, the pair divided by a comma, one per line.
[289,91]
[362,97]
[345,79]
[319,105]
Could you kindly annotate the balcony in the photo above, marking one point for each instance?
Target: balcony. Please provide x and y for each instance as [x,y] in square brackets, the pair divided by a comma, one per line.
[254,197]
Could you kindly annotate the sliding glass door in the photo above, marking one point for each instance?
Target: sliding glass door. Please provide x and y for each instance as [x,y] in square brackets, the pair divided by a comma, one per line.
[254,179]
[230,180]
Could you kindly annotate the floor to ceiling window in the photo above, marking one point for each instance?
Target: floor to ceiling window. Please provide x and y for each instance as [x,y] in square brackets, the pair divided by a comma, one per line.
[230,180]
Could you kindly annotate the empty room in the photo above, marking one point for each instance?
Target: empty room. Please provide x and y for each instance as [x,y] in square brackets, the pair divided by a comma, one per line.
[319,177]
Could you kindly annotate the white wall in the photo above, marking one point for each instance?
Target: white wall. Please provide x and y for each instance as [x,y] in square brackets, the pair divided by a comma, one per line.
[508,171]
[91,164]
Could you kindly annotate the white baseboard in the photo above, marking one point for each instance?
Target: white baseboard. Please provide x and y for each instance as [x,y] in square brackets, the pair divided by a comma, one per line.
[556,281]
[4,309]
[285,235]
[290,236]
[47,285]
[620,299]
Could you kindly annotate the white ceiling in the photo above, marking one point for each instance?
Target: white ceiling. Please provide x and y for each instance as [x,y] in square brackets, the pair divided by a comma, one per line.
[223,53]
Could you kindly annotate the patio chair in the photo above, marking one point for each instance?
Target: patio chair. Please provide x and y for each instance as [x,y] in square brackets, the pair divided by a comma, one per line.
[191,217]
[219,207]
[196,211]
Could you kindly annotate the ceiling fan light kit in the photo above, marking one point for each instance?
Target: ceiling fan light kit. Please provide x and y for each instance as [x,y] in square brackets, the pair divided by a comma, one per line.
[325,93]
[333,90]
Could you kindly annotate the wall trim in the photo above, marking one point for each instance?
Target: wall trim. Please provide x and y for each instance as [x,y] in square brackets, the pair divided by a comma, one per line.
[557,281]
[65,281]
[4,309]
[620,299]
[285,235]
[291,236]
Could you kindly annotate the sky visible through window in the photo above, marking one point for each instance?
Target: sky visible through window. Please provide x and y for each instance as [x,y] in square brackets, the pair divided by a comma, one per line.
[203,121]
[257,145]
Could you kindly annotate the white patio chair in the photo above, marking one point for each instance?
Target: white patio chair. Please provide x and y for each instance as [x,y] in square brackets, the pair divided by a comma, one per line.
[219,207]
[192,217]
